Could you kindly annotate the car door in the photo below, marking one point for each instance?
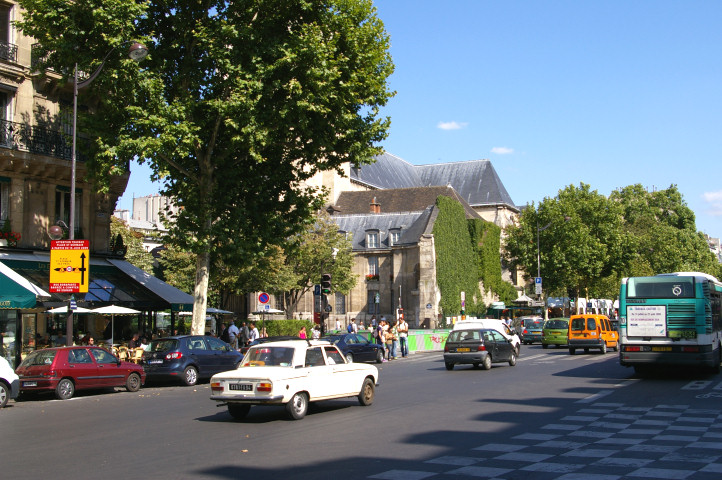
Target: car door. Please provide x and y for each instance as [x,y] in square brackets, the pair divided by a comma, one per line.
[111,374]
[223,359]
[200,354]
[362,351]
[83,369]
[320,374]
[343,380]
[503,347]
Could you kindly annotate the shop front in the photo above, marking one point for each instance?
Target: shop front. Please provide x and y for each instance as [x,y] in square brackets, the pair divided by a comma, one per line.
[26,319]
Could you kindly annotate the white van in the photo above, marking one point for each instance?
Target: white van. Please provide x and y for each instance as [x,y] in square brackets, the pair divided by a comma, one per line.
[494,323]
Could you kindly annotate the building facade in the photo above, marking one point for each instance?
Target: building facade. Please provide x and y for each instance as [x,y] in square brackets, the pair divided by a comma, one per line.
[36,126]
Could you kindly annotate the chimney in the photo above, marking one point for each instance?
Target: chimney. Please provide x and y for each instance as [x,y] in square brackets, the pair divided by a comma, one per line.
[375,207]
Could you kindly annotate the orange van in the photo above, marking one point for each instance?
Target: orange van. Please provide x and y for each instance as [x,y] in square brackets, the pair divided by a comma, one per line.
[592,331]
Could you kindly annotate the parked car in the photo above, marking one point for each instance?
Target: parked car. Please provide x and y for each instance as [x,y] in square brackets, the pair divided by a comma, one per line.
[293,374]
[494,323]
[258,341]
[531,329]
[482,346]
[67,369]
[188,358]
[357,348]
[592,331]
[555,332]
[9,383]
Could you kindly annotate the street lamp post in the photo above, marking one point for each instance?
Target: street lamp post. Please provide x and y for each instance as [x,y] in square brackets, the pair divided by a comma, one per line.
[137,52]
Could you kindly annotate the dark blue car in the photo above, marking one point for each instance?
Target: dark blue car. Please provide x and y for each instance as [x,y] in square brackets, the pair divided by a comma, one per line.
[357,348]
[189,358]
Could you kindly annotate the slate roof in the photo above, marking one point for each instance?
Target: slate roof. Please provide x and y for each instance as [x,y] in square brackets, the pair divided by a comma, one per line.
[476,181]
[411,224]
[396,200]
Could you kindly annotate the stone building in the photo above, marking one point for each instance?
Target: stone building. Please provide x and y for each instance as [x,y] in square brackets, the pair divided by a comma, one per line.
[36,125]
[388,209]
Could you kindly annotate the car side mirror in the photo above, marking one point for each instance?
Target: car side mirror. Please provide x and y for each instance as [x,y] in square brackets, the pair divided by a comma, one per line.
[117,361]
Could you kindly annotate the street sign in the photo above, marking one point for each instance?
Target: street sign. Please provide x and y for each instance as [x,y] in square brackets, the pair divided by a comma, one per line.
[69,266]
[377,298]
[317,290]
[263,297]
[538,285]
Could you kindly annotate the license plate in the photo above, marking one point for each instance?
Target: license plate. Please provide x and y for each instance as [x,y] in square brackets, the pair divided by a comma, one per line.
[661,349]
[30,384]
[154,362]
[463,349]
[244,387]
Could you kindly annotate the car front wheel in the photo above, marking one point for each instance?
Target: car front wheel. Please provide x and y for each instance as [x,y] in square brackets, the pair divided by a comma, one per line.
[298,406]
[132,384]
[238,412]
[512,359]
[190,375]
[366,395]
[604,347]
[65,389]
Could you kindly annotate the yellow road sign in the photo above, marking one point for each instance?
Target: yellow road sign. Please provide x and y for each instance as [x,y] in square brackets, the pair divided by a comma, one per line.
[69,266]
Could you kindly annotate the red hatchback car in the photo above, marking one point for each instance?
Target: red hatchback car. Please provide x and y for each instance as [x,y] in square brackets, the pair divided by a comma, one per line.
[67,369]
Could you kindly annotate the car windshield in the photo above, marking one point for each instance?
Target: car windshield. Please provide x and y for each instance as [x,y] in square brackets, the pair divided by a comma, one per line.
[555,324]
[39,357]
[532,323]
[269,356]
[163,345]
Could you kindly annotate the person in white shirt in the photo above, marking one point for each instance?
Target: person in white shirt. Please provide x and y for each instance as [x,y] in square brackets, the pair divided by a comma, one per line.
[254,333]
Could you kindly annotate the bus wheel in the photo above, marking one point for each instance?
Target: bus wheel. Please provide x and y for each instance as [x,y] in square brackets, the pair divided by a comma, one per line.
[604,347]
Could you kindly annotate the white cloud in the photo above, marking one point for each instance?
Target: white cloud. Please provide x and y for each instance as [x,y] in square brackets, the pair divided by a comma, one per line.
[502,150]
[451,125]
[714,199]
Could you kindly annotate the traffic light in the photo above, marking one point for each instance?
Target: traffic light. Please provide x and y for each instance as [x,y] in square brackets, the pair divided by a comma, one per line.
[326,283]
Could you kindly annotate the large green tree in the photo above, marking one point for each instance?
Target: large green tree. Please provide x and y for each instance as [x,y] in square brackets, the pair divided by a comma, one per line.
[663,234]
[575,239]
[237,104]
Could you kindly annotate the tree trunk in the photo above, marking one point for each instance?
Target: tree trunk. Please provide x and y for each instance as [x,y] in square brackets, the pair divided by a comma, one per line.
[200,294]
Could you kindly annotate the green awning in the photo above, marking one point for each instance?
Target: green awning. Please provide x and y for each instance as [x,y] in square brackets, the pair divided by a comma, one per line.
[16,291]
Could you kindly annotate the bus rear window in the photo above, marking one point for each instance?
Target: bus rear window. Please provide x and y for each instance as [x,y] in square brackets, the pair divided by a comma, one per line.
[660,287]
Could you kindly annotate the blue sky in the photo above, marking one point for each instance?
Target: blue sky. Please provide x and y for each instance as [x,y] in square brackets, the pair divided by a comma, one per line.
[609,93]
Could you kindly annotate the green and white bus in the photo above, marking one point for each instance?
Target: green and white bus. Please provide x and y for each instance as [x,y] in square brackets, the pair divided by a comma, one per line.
[670,319]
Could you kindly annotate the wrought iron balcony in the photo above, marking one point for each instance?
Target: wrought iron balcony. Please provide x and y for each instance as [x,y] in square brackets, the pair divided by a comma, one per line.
[9,51]
[39,140]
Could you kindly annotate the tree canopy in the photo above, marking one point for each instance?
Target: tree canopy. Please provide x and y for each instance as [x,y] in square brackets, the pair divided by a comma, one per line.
[588,242]
[236,105]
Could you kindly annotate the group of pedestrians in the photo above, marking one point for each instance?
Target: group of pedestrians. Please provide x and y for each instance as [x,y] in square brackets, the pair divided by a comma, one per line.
[240,337]
[393,337]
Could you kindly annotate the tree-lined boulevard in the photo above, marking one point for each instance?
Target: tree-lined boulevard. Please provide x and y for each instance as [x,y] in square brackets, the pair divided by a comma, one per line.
[425,422]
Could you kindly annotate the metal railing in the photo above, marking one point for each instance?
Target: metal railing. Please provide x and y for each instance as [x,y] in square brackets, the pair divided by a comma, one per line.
[9,52]
[38,140]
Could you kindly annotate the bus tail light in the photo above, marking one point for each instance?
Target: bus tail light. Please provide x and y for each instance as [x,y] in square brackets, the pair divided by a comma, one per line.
[690,349]
[632,349]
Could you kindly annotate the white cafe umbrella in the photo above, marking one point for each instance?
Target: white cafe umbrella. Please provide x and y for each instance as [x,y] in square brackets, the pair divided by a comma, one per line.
[114,310]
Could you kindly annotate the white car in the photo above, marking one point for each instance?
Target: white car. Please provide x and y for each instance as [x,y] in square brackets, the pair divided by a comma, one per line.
[293,373]
[9,383]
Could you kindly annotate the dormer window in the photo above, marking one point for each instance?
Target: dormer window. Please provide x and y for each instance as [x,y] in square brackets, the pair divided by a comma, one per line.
[394,236]
[372,239]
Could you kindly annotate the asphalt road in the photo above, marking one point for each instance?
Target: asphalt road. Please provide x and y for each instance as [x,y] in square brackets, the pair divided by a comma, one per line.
[426,422]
